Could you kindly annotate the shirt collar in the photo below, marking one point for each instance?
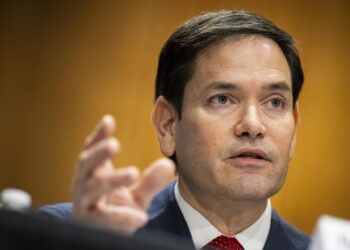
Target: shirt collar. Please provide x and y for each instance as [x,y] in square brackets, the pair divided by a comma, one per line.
[202,231]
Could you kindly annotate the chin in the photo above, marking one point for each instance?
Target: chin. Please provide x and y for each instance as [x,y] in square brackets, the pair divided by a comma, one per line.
[250,188]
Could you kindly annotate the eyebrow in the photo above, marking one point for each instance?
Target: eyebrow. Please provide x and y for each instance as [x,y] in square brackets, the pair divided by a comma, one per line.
[222,85]
[232,86]
[277,86]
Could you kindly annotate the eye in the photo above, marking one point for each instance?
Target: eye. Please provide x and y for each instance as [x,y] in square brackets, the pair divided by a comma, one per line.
[222,99]
[219,100]
[275,103]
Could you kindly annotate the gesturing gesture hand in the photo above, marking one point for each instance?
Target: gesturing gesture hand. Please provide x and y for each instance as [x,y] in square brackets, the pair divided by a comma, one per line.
[115,198]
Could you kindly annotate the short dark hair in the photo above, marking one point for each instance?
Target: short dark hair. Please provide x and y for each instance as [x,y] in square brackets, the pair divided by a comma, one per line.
[178,56]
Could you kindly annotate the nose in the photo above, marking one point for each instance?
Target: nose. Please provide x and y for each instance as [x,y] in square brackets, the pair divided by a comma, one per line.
[249,124]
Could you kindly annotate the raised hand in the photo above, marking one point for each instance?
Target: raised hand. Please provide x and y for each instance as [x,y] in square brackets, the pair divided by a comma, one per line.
[114,198]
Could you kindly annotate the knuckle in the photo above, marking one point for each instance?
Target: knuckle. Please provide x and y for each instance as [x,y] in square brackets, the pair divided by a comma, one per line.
[90,183]
[82,157]
[96,184]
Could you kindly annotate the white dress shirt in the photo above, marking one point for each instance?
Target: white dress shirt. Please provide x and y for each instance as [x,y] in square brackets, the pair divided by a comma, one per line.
[202,231]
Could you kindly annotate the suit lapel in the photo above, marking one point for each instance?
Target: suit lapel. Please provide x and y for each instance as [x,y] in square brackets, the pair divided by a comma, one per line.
[277,238]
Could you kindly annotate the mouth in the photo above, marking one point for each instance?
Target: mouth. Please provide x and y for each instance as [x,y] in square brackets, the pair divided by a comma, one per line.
[250,156]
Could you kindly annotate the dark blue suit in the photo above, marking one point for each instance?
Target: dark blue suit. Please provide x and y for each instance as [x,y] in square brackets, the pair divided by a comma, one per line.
[165,216]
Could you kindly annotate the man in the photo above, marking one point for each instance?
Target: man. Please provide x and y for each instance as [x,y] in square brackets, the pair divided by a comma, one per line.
[226,112]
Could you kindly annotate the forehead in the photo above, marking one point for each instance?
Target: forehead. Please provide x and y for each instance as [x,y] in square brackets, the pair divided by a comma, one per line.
[250,60]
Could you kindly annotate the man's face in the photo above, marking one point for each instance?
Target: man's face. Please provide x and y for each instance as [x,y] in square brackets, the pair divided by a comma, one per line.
[237,129]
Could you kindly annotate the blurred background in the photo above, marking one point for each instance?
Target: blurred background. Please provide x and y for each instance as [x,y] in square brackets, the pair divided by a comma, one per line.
[63,64]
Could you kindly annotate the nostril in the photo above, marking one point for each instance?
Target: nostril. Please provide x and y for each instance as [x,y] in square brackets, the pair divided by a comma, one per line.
[244,134]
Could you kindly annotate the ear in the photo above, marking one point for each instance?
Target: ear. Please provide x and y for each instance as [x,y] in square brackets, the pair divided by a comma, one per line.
[297,120]
[163,118]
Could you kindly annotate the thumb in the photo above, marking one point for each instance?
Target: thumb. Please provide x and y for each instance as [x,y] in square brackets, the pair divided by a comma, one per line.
[153,180]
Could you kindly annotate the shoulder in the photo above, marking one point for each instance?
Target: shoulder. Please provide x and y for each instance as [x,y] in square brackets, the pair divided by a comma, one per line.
[61,211]
[159,204]
[161,201]
[164,213]
[282,235]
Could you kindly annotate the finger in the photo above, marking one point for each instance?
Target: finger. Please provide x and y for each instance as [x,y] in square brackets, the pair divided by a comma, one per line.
[116,185]
[120,218]
[153,180]
[95,157]
[83,181]
[104,129]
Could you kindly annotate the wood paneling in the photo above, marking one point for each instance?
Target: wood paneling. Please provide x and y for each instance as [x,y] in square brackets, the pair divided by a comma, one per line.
[63,64]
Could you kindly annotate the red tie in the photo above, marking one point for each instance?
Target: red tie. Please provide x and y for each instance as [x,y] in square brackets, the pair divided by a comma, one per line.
[223,242]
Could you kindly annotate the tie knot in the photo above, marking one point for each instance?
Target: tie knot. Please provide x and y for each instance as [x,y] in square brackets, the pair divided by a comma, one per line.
[223,242]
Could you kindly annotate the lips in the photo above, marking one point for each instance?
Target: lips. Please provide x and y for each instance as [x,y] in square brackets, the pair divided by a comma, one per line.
[250,153]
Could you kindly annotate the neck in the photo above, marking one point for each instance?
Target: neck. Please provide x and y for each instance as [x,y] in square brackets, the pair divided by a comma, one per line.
[229,216]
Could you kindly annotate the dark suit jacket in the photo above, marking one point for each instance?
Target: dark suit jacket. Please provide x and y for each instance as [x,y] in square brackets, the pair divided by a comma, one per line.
[165,216]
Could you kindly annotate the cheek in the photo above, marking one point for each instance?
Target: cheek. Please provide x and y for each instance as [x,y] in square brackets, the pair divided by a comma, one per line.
[198,138]
[283,138]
